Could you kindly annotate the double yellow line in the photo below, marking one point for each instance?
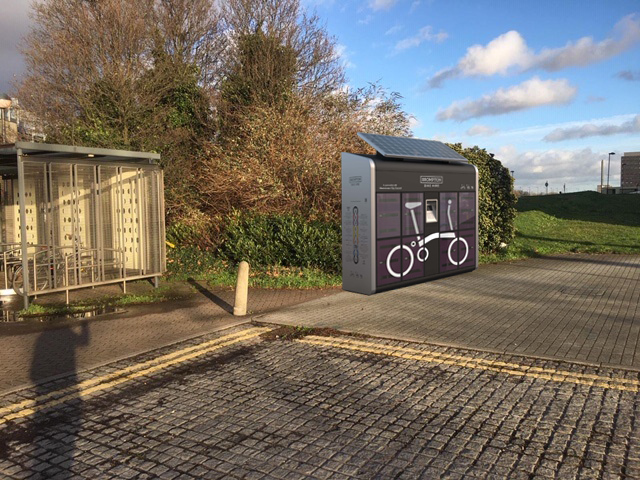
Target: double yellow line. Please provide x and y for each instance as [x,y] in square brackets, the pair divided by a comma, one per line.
[96,384]
[616,383]
[90,386]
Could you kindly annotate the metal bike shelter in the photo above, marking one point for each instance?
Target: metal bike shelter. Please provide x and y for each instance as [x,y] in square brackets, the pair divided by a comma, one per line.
[76,217]
[409,214]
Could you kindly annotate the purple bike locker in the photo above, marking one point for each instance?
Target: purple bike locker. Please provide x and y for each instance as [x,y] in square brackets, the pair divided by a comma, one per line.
[409,214]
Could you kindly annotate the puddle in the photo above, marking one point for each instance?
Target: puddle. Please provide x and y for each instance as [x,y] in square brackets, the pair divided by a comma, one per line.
[11,316]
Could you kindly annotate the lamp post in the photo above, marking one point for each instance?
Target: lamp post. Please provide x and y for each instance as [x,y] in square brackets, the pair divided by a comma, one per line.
[5,104]
[608,168]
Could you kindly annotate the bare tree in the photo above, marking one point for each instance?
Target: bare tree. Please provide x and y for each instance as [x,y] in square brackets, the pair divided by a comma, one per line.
[88,62]
[190,31]
[318,69]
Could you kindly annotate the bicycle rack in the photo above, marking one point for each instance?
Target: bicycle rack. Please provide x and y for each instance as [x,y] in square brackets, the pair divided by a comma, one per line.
[76,217]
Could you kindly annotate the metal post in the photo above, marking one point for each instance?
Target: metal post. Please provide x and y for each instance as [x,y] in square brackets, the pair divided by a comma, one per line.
[123,248]
[601,174]
[23,229]
[139,223]
[163,233]
[73,224]
[609,168]
[50,223]
[6,275]
[66,276]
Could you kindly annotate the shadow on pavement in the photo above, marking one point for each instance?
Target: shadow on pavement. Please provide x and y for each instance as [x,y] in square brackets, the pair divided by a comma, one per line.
[211,296]
[56,347]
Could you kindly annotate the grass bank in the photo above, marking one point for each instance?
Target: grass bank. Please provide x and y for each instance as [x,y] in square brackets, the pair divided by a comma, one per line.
[584,222]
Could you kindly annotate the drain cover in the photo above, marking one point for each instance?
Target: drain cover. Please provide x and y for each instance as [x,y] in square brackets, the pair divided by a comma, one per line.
[583,291]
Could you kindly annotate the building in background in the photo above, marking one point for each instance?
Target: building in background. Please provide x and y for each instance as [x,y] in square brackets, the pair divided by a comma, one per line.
[630,170]
[19,124]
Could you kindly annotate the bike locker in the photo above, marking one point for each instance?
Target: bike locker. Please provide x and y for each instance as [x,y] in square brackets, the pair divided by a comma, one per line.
[409,214]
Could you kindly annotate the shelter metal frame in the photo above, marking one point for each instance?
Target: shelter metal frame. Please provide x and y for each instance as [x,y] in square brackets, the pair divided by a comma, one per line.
[81,217]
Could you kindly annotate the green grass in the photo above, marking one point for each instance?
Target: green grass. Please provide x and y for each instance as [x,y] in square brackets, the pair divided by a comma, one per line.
[36,310]
[276,277]
[157,295]
[585,222]
[191,263]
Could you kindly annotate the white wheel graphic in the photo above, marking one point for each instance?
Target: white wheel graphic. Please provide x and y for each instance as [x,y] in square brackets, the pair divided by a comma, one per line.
[390,270]
[466,250]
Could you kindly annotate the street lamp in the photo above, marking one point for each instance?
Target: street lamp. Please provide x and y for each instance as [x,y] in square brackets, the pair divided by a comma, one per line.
[5,104]
[608,168]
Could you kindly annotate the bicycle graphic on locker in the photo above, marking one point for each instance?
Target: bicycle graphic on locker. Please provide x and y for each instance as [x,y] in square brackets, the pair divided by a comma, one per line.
[421,242]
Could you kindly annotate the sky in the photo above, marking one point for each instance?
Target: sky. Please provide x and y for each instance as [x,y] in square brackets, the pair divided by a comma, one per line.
[549,87]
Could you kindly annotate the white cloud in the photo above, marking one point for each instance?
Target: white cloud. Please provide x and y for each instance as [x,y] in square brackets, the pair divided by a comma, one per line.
[414,122]
[393,30]
[593,130]
[578,169]
[509,52]
[414,5]
[595,99]
[366,20]
[529,94]
[342,54]
[382,4]
[482,130]
[424,35]
[585,51]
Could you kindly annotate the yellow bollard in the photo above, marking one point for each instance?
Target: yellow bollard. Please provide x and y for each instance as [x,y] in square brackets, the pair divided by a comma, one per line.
[242,290]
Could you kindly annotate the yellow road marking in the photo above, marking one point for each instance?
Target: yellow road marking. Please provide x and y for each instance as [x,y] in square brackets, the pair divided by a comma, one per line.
[623,384]
[87,387]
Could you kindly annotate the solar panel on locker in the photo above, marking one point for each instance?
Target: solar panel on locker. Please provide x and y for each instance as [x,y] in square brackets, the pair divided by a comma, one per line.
[414,148]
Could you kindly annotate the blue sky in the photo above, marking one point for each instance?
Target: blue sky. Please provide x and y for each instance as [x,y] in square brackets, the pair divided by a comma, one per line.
[550,87]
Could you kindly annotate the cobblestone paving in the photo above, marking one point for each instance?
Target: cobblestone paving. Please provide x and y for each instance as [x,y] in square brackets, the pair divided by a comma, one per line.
[320,407]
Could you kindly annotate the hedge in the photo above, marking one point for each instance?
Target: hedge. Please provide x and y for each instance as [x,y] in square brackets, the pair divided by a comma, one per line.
[282,240]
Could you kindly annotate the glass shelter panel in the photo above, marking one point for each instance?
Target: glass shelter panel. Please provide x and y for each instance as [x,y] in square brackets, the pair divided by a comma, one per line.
[86,224]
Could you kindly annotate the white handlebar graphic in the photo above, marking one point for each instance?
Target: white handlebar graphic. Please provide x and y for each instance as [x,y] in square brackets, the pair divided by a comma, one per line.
[423,251]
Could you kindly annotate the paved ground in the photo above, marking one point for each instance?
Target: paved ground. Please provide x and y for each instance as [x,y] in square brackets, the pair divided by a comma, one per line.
[576,307]
[232,405]
[33,350]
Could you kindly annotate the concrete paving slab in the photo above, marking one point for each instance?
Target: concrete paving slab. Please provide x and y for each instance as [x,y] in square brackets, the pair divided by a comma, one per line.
[582,308]
[32,351]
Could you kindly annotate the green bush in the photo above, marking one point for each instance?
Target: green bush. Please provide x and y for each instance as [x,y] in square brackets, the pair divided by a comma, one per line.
[195,228]
[285,240]
[190,261]
[497,199]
